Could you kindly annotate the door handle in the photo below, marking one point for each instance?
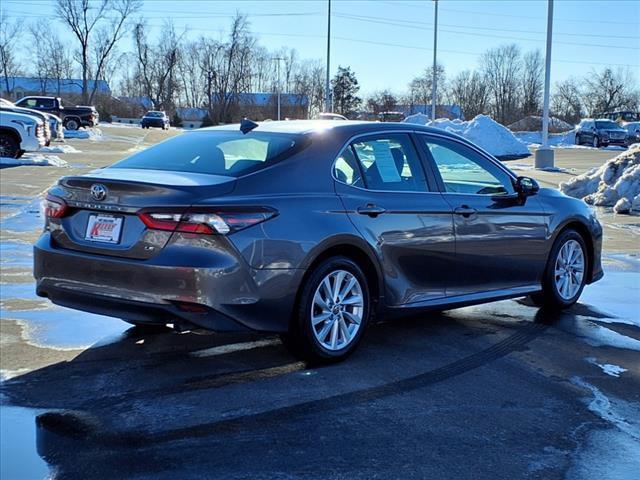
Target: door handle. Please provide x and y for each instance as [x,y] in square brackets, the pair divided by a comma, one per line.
[371,210]
[465,211]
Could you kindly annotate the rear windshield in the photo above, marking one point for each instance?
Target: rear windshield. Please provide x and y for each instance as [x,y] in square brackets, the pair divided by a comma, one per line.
[218,153]
[607,124]
[154,114]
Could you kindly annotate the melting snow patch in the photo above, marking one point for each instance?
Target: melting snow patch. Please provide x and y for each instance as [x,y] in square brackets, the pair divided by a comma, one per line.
[482,130]
[34,159]
[90,133]
[615,184]
[614,453]
[608,368]
[59,149]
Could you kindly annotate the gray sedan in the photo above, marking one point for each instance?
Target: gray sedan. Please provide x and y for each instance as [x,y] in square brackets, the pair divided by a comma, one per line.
[313,229]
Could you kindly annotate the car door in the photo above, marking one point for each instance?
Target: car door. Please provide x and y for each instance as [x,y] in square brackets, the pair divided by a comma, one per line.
[382,184]
[500,238]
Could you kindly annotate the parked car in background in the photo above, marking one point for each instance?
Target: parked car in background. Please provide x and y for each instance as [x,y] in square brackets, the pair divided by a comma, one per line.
[633,132]
[53,124]
[331,116]
[622,116]
[311,229]
[600,133]
[73,117]
[155,118]
[391,116]
[19,133]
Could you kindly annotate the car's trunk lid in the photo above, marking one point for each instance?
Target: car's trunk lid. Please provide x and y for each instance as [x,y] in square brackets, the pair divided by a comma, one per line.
[112,197]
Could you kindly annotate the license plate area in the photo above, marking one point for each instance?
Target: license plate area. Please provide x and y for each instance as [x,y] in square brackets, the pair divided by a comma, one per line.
[104,228]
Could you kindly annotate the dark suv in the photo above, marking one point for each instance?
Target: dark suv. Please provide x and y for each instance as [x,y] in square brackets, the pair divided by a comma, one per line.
[601,132]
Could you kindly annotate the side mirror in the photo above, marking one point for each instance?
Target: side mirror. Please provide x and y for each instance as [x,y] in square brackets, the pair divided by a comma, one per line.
[526,186]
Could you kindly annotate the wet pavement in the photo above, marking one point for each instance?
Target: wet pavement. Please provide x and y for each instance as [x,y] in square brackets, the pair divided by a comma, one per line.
[503,390]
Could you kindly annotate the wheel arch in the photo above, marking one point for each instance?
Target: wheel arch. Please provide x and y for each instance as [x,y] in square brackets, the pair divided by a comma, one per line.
[583,230]
[355,249]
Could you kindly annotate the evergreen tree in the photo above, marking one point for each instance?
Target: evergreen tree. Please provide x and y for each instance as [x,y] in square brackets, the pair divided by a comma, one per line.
[345,88]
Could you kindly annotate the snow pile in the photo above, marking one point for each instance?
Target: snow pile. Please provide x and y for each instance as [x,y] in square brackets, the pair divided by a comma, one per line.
[533,123]
[482,130]
[34,159]
[615,184]
[59,149]
[90,133]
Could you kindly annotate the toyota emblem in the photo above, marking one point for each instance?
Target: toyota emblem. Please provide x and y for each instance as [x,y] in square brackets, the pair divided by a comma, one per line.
[98,191]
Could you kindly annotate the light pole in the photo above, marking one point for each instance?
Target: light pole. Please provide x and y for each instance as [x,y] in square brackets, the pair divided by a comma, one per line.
[435,51]
[544,155]
[327,105]
[277,59]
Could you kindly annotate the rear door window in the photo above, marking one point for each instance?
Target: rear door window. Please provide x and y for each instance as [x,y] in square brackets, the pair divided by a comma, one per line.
[390,163]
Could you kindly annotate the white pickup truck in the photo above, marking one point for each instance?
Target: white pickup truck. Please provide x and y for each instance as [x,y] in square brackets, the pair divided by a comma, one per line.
[20,133]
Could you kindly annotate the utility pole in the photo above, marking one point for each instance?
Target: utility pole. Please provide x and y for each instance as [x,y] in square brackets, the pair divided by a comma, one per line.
[277,59]
[327,105]
[544,155]
[435,64]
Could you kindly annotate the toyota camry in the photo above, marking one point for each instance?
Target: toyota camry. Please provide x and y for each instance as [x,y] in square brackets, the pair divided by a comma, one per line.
[311,229]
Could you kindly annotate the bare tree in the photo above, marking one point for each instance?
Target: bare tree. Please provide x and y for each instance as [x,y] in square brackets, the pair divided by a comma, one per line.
[9,34]
[532,75]
[383,101]
[420,88]
[608,90]
[158,64]
[97,25]
[502,67]
[52,61]
[469,91]
[565,101]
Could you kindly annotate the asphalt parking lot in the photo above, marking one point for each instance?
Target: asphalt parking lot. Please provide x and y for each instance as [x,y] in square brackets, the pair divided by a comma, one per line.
[503,390]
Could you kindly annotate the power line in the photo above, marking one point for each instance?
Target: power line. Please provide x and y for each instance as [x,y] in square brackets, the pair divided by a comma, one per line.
[474,34]
[429,24]
[507,15]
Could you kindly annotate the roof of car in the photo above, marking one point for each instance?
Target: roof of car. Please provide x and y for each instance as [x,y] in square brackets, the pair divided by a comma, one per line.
[314,126]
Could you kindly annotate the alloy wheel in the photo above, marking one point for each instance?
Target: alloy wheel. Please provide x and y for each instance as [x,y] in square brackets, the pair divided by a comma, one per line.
[569,269]
[337,310]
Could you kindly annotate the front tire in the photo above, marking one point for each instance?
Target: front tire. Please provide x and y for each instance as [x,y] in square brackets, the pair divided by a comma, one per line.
[565,274]
[332,313]
[9,146]
[577,140]
[596,142]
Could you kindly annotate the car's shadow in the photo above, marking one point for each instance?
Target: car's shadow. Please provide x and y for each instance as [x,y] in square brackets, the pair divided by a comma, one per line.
[184,377]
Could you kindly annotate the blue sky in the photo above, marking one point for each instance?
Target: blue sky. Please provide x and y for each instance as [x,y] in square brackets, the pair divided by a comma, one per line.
[388,42]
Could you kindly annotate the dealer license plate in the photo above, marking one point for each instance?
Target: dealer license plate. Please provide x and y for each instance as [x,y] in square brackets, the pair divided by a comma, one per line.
[104,228]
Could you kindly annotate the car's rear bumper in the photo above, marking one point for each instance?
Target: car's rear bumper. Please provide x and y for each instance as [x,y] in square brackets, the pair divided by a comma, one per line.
[206,289]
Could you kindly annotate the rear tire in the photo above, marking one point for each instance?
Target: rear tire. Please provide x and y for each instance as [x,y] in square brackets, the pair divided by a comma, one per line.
[565,275]
[577,139]
[332,313]
[596,142]
[72,124]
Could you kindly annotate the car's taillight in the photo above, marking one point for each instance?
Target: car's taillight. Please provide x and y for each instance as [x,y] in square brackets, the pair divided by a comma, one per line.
[54,207]
[218,222]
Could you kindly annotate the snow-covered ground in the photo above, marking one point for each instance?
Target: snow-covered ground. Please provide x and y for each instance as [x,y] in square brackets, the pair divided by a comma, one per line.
[90,133]
[615,184]
[482,130]
[61,148]
[34,159]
